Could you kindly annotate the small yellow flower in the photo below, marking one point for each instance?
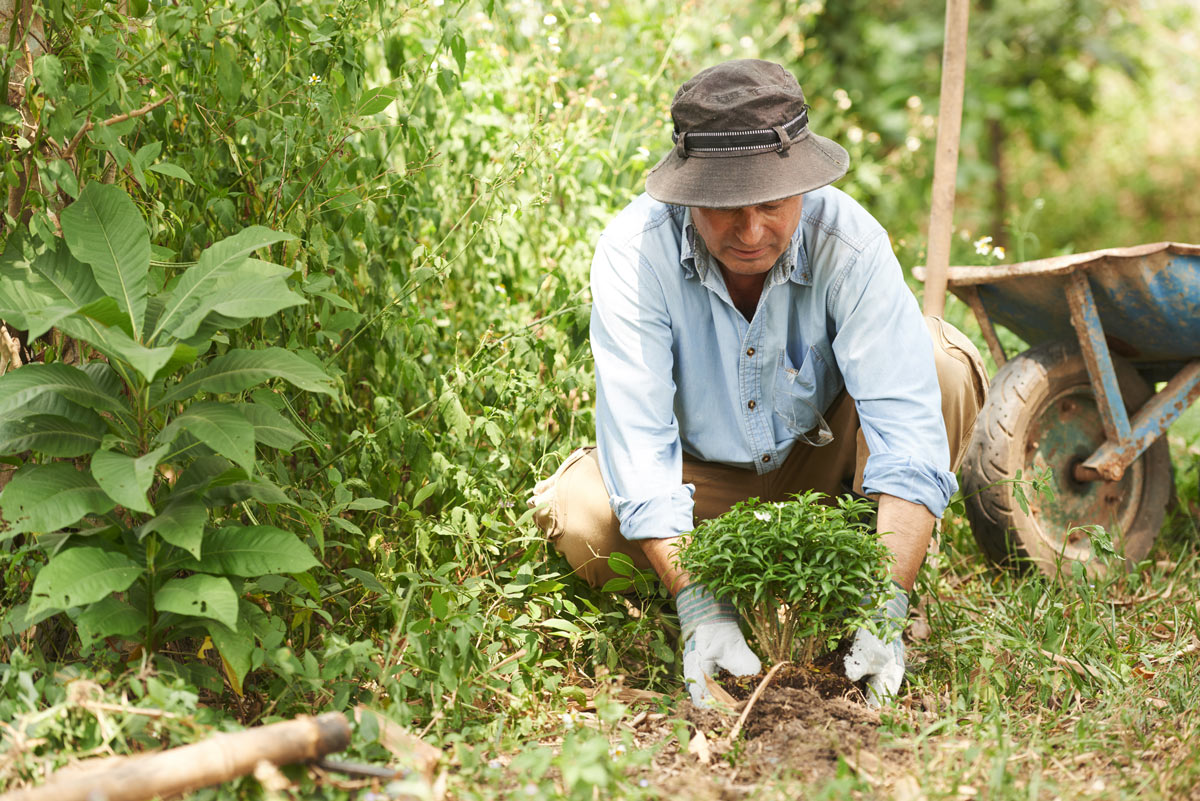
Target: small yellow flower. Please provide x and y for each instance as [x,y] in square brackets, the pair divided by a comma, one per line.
[314,79]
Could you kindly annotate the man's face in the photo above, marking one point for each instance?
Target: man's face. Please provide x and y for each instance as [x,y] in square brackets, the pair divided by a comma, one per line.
[749,240]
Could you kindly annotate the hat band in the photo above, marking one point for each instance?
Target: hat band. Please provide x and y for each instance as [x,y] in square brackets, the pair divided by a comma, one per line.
[714,143]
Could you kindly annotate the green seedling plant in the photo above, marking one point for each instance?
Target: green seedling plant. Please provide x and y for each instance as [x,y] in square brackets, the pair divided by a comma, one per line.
[137,458]
[802,573]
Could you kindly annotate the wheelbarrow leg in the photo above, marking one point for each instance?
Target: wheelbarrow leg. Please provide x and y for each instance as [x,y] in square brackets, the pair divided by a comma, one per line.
[1086,319]
[1149,423]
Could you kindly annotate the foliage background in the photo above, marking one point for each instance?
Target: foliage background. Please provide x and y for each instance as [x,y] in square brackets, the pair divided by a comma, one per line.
[445,168]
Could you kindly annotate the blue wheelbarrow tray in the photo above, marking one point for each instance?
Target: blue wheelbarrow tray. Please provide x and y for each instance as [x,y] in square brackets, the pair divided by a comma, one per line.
[1141,303]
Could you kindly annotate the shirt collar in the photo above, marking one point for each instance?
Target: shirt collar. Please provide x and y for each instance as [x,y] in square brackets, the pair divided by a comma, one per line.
[792,265]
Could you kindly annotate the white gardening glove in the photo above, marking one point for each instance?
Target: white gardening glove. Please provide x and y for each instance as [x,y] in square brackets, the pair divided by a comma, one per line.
[712,639]
[880,662]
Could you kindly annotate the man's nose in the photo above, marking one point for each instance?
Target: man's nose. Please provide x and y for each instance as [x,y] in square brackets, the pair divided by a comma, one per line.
[750,229]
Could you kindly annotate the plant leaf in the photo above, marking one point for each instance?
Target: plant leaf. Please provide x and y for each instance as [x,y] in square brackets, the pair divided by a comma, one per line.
[181,524]
[46,498]
[250,551]
[104,229]
[21,387]
[81,576]
[126,479]
[52,434]
[172,170]
[241,369]
[220,426]
[216,263]
[108,617]
[200,596]
[270,427]
[118,345]
[236,650]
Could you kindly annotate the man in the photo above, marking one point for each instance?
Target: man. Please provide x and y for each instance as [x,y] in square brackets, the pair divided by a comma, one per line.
[754,337]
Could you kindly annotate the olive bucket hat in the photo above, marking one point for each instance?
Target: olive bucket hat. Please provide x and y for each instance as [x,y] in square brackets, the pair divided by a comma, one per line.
[742,138]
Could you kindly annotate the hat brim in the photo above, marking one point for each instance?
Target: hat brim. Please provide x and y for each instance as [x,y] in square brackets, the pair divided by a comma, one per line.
[730,182]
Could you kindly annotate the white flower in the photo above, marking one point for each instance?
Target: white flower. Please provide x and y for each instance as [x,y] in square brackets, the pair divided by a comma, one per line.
[854,134]
[549,20]
[912,143]
[552,40]
[763,516]
[617,751]
[913,102]
[314,79]
[746,42]
[998,252]
[983,245]
[594,18]
[643,152]
[843,99]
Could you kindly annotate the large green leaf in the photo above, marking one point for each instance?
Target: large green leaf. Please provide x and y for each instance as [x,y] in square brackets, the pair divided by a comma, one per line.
[80,576]
[199,282]
[200,596]
[254,289]
[46,498]
[236,650]
[241,369]
[104,229]
[127,479]
[220,426]
[108,617]
[117,345]
[21,387]
[52,435]
[270,428]
[250,551]
[39,289]
[181,524]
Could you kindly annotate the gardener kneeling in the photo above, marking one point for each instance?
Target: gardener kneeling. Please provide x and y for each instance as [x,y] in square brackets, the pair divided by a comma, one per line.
[754,337]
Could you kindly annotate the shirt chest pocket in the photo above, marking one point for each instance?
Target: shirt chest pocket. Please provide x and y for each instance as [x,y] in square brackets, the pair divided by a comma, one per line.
[799,397]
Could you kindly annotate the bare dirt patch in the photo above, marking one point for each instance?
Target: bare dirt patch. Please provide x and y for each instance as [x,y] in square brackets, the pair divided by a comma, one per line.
[798,729]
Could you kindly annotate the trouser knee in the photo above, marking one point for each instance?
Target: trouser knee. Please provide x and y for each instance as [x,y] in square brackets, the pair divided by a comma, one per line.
[575,515]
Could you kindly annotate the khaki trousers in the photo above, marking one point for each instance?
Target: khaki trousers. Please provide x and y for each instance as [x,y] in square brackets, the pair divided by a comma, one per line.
[575,514]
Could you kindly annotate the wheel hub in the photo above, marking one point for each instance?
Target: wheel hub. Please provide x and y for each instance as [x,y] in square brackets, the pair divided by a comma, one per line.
[1066,432]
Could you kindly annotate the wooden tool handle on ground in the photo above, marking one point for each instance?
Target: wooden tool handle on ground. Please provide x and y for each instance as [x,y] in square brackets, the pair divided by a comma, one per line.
[190,767]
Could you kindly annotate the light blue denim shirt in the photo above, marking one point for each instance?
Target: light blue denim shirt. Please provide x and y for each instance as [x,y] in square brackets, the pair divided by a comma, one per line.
[677,365]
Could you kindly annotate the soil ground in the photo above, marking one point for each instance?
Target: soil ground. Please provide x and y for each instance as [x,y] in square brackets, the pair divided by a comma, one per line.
[804,723]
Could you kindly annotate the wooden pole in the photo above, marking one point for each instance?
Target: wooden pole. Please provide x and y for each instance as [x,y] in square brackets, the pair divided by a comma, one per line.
[190,767]
[945,164]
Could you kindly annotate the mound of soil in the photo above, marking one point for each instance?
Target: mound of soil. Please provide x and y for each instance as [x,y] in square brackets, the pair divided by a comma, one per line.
[797,729]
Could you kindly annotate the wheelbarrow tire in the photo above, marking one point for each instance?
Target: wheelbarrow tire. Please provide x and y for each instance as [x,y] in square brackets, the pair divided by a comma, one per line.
[1041,411]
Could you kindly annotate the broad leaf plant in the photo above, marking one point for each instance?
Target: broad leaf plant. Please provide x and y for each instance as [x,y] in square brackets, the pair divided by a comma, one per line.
[135,463]
[802,573]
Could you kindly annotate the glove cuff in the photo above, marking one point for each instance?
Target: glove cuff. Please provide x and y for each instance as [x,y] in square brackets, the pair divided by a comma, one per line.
[696,606]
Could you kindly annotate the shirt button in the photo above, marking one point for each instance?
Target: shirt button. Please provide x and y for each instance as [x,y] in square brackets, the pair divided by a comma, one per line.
[750,352]
[751,404]
[766,457]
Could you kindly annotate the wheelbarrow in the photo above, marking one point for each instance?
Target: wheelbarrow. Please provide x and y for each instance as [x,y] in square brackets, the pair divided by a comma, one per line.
[1104,329]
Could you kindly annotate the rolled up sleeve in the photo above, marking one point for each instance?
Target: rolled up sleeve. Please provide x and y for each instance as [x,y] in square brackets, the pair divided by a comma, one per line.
[637,434]
[886,359]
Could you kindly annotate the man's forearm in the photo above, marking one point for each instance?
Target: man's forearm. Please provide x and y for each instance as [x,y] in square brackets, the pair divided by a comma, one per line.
[906,528]
[662,554]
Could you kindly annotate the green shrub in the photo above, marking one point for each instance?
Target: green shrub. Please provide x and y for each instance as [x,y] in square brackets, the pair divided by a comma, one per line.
[132,478]
[798,571]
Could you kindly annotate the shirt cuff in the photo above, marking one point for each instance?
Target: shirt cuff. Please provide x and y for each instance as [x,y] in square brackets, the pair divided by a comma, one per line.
[910,480]
[659,517]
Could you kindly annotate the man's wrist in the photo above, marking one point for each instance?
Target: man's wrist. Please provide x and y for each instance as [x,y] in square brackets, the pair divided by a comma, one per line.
[663,556]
